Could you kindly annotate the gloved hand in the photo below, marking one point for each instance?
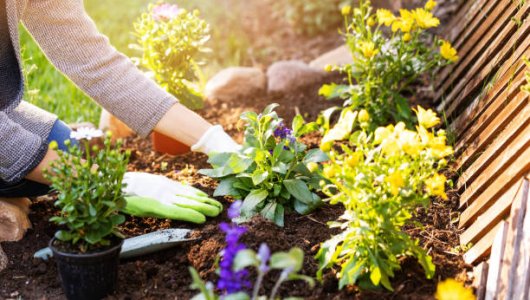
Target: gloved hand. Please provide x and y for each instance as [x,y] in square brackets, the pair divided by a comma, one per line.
[150,195]
[215,139]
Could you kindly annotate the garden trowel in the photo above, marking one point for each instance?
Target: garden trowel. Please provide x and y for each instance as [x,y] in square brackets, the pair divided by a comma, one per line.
[141,245]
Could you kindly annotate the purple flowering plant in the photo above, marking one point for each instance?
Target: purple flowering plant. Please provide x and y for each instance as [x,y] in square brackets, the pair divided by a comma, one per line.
[274,171]
[234,283]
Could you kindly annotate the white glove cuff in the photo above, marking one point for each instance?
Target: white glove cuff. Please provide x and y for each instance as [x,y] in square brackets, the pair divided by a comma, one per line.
[215,139]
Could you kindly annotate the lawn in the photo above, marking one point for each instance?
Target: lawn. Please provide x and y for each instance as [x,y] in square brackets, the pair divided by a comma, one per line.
[49,89]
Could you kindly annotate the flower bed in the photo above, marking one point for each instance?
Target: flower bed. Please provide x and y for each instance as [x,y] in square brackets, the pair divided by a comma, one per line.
[165,274]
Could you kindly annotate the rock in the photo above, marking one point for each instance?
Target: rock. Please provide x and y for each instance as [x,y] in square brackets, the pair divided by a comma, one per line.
[3,259]
[235,82]
[393,5]
[109,122]
[284,76]
[14,219]
[336,57]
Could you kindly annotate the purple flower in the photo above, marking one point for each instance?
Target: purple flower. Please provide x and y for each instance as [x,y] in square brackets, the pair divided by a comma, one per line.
[229,280]
[234,211]
[264,253]
[165,12]
[282,131]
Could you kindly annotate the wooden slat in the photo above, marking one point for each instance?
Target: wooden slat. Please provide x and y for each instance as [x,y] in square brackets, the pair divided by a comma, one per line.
[483,247]
[521,281]
[495,262]
[502,182]
[513,240]
[504,160]
[458,23]
[498,211]
[509,142]
[486,105]
[471,145]
[480,278]
[497,15]
[493,57]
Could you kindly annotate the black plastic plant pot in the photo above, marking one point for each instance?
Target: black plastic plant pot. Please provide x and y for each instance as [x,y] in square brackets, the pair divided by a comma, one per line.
[89,276]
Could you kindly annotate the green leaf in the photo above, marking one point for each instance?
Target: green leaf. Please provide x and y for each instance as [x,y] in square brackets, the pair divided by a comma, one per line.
[237,296]
[308,279]
[259,176]
[226,187]
[245,258]
[279,215]
[332,91]
[269,211]
[298,123]
[343,128]
[252,200]
[316,156]
[270,108]
[298,189]
[293,259]
[375,276]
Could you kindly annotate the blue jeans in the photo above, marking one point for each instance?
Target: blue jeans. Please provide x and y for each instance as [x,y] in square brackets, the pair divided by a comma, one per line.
[26,188]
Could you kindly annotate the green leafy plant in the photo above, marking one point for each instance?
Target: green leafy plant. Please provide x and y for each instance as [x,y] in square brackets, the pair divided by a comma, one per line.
[273,171]
[310,17]
[172,41]
[89,197]
[381,179]
[386,65]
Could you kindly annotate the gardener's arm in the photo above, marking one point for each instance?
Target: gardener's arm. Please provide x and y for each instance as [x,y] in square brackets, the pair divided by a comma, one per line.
[71,41]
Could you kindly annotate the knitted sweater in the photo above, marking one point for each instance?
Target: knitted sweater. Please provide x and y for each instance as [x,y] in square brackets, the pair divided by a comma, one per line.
[70,40]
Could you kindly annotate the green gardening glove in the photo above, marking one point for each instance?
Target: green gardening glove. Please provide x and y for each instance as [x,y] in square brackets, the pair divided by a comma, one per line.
[157,196]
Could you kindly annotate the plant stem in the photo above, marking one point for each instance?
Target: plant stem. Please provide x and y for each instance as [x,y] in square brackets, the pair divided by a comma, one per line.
[276,287]
[257,285]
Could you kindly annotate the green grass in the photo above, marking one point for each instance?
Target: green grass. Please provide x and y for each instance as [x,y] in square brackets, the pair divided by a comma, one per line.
[50,90]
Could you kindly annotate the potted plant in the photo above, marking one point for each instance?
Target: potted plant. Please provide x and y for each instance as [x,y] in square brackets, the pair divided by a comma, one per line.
[172,41]
[88,181]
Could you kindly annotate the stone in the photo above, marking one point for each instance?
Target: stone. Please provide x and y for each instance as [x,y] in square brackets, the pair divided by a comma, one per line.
[337,57]
[14,219]
[236,82]
[284,76]
[109,122]
[393,5]
[3,259]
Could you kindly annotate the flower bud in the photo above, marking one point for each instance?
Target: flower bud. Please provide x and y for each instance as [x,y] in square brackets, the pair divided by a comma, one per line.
[53,145]
[407,37]
[364,116]
[326,147]
[312,167]
[346,10]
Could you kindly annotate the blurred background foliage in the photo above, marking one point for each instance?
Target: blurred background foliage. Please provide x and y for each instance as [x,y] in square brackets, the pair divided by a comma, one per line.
[242,33]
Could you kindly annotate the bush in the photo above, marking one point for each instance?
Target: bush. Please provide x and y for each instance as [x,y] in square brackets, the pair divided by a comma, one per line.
[89,198]
[272,170]
[381,180]
[172,42]
[385,65]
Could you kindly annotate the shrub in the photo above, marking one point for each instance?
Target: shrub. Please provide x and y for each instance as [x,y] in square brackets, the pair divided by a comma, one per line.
[172,42]
[272,170]
[89,198]
[381,179]
[310,17]
[385,65]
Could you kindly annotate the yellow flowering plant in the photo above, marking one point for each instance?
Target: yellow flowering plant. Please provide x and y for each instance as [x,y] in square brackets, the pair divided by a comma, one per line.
[451,289]
[381,178]
[172,41]
[390,54]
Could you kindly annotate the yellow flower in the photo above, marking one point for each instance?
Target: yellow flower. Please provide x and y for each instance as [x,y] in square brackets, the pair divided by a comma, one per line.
[330,171]
[381,134]
[448,52]
[384,16]
[427,118]
[425,19]
[328,68]
[451,289]
[410,142]
[390,146]
[430,5]
[396,182]
[405,23]
[439,148]
[53,145]
[371,21]
[312,167]
[407,37]
[354,159]
[435,186]
[326,147]
[368,49]
[364,116]
[346,10]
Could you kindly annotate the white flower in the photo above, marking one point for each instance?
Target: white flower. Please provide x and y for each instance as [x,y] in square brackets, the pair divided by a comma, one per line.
[86,133]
